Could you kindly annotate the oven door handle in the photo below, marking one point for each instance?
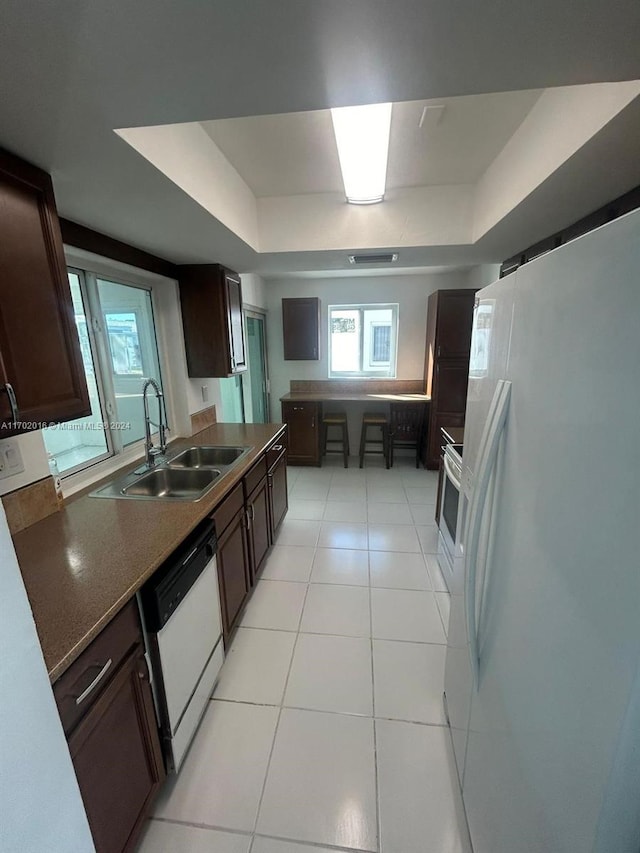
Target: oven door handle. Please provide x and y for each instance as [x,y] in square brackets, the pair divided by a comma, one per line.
[451,472]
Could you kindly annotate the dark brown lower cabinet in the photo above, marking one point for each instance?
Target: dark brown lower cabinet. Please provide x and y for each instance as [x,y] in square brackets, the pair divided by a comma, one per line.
[117,759]
[233,571]
[258,527]
[303,427]
[278,494]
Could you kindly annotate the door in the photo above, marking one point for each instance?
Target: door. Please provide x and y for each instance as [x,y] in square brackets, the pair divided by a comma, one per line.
[232,394]
[256,400]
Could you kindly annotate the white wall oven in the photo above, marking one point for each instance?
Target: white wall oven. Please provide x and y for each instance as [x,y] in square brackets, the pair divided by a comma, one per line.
[449,498]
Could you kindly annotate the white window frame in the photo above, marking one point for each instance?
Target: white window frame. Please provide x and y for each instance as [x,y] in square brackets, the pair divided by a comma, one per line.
[368,369]
[79,260]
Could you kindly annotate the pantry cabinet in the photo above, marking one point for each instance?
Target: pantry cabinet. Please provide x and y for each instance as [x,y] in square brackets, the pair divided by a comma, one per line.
[449,322]
[211,301]
[42,377]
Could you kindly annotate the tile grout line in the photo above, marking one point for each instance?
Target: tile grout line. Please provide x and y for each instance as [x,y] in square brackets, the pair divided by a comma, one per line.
[280,710]
[334,713]
[373,720]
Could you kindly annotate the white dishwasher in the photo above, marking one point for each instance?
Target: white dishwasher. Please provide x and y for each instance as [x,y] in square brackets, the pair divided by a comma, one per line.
[181,614]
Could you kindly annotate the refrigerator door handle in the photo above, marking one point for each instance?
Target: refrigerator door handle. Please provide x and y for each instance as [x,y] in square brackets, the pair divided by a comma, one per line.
[487,460]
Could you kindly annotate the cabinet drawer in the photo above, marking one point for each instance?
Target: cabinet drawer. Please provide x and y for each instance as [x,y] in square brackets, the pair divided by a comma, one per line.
[276,450]
[76,691]
[226,511]
[253,478]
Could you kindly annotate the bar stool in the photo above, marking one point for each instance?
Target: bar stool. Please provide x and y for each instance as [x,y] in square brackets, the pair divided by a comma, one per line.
[406,428]
[336,419]
[377,421]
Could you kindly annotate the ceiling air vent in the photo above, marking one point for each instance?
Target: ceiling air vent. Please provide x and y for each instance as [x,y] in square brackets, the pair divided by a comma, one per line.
[387,258]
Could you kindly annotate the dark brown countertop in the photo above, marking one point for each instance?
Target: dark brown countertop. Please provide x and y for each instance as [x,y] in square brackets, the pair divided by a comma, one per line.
[81,565]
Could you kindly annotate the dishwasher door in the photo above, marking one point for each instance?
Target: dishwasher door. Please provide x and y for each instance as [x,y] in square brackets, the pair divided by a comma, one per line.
[186,645]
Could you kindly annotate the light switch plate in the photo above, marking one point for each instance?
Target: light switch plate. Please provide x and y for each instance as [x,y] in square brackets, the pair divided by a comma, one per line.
[10,459]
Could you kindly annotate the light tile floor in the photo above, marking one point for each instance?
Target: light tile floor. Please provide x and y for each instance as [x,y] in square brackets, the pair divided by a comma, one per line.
[326,730]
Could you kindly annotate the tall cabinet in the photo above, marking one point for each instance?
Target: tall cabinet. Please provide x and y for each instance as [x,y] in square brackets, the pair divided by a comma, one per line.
[449,321]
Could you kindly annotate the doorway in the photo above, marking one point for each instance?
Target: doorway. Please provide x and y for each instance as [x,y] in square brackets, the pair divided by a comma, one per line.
[255,380]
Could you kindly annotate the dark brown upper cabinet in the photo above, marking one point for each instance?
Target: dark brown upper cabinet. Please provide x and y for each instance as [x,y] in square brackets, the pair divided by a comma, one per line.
[42,378]
[301,329]
[211,298]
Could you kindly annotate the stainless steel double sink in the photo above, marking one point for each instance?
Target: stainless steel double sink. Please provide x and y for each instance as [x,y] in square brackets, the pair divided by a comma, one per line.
[188,476]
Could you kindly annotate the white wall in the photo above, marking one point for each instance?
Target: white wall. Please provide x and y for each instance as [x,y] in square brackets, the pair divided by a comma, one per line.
[253,290]
[411,216]
[191,159]
[483,274]
[411,292]
[41,805]
[562,121]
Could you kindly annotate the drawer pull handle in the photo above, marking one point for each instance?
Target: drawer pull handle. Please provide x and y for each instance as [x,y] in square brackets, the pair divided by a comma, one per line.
[80,699]
[277,447]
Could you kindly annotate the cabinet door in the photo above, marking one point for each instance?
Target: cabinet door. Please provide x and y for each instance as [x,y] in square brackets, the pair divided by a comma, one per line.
[450,387]
[211,305]
[233,571]
[259,528]
[454,320]
[301,329]
[303,423]
[40,355]
[278,494]
[236,326]
[116,756]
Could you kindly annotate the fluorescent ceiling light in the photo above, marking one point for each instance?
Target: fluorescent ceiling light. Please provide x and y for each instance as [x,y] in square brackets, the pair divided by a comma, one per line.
[362,137]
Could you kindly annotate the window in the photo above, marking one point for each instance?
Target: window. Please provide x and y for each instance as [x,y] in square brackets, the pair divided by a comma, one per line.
[362,340]
[119,351]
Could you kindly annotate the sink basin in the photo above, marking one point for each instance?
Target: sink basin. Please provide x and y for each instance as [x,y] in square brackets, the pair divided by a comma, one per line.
[186,477]
[175,483]
[206,457]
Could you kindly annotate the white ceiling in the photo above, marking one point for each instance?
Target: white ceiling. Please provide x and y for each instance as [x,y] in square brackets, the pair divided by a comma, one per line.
[73,70]
[295,153]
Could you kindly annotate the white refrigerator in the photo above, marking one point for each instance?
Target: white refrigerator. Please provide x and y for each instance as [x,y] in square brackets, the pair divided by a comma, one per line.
[542,681]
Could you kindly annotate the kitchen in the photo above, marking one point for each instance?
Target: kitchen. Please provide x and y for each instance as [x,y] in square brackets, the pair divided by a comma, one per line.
[103,183]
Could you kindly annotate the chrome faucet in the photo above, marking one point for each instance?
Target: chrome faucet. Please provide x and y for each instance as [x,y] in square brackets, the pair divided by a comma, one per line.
[151,452]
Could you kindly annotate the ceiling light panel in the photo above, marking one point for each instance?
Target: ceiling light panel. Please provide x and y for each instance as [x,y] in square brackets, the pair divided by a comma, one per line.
[362,137]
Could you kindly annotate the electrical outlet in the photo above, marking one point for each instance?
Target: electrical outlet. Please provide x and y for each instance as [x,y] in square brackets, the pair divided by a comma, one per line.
[205,393]
[10,459]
